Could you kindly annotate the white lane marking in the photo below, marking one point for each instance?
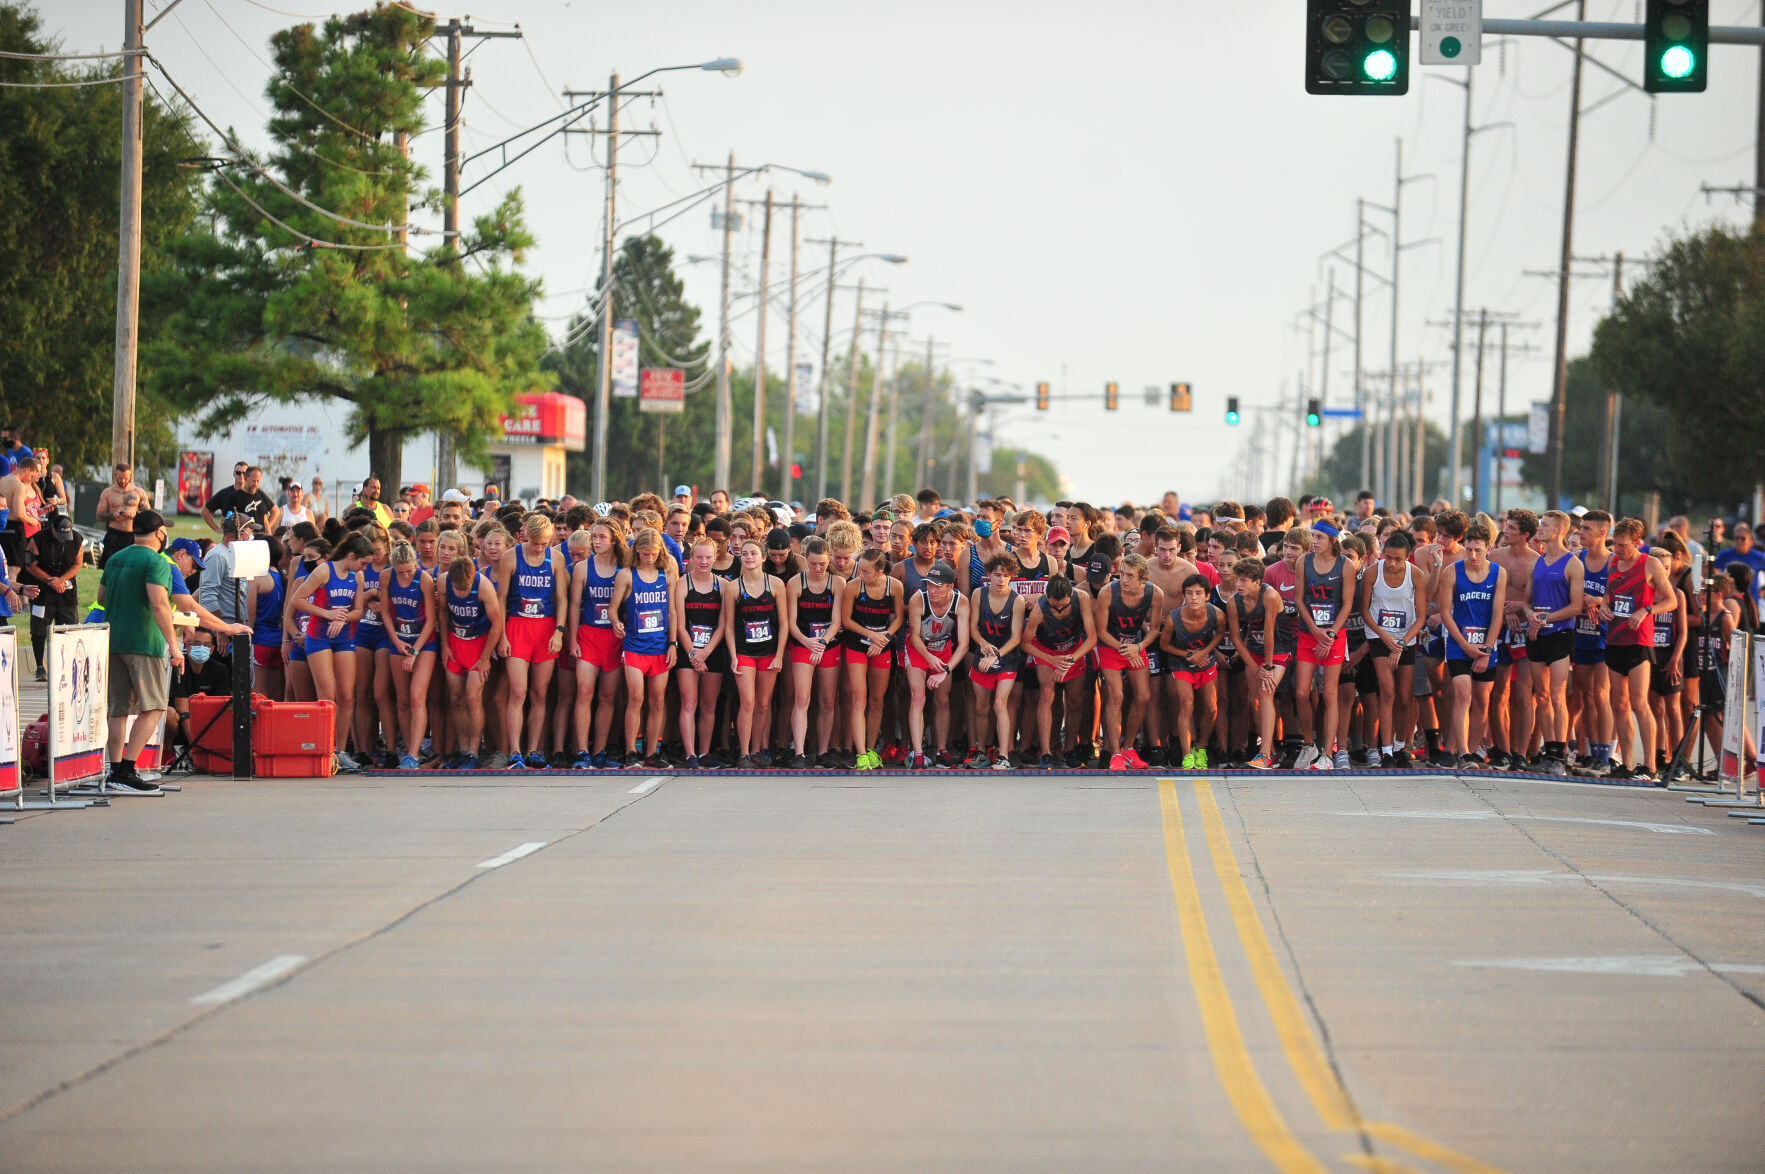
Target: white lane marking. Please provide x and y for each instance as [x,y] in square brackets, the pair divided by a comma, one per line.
[648,785]
[1541,877]
[512,854]
[1668,829]
[249,981]
[1645,965]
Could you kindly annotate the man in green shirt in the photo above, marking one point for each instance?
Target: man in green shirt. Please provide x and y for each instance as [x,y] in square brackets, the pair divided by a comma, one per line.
[135,592]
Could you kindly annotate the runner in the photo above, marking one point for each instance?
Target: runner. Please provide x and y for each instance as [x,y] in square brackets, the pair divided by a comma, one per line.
[1297,749]
[1667,681]
[1592,695]
[329,598]
[1257,634]
[471,612]
[996,614]
[1637,589]
[407,606]
[1325,590]
[756,644]
[1121,615]
[373,674]
[816,652]
[265,597]
[1394,608]
[870,615]
[1470,600]
[601,556]
[1059,634]
[644,625]
[1190,637]
[937,637]
[534,598]
[1510,725]
[1557,601]
[701,624]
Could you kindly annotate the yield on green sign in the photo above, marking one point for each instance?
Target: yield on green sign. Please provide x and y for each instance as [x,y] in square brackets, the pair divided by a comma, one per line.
[1451,32]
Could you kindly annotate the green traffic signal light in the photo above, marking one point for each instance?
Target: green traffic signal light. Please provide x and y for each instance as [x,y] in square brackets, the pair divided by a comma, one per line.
[1676,46]
[1379,65]
[1357,46]
[1678,62]
[1232,410]
[1314,413]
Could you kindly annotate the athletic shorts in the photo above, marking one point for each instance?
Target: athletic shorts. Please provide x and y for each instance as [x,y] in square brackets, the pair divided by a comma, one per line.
[1155,663]
[1310,654]
[916,661]
[597,648]
[1366,676]
[1434,645]
[371,638]
[650,665]
[530,638]
[1625,658]
[1462,668]
[463,654]
[1196,678]
[1109,659]
[342,643]
[882,660]
[990,681]
[266,656]
[1587,657]
[1658,682]
[1550,647]
[1074,673]
[296,653]
[760,664]
[832,657]
[1506,653]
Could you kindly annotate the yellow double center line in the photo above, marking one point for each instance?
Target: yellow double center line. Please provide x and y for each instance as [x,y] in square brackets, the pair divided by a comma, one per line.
[1243,1085]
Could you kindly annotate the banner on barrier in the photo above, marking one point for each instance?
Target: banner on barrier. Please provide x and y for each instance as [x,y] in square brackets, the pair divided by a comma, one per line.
[151,757]
[79,720]
[11,777]
[1734,712]
[1759,709]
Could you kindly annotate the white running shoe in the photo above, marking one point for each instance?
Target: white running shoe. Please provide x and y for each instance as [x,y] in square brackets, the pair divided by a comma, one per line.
[1308,754]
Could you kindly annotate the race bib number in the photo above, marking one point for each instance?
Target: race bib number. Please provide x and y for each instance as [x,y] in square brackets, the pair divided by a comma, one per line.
[408,629]
[1322,615]
[1663,636]
[700,633]
[649,622]
[1476,636]
[532,609]
[603,615]
[817,631]
[1393,621]
[1587,627]
[372,619]
[1623,606]
[759,631]
[462,632]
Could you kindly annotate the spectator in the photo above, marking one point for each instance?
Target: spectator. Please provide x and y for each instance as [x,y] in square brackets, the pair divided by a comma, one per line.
[203,672]
[1741,550]
[369,499]
[53,487]
[22,497]
[58,554]
[116,511]
[316,503]
[245,496]
[136,593]
[422,507]
[217,590]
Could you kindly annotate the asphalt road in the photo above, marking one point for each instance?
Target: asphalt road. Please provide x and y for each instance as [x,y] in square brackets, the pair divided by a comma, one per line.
[924,972]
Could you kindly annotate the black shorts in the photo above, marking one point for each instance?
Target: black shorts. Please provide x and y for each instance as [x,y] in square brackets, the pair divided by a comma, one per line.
[1366,675]
[114,540]
[1462,668]
[1658,682]
[1627,658]
[1550,648]
[1714,689]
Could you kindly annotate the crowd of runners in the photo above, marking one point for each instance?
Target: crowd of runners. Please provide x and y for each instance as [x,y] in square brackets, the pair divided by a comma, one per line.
[674,634]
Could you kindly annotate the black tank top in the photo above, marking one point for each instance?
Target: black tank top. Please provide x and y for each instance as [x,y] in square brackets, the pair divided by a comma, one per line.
[995,629]
[1128,624]
[871,613]
[703,609]
[1187,639]
[1057,634]
[1251,623]
[756,621]
[815,608]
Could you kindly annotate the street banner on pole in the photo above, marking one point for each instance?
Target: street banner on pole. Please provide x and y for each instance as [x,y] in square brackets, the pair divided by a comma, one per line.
[1538,428]
[808,398]
[79,720]
[1759,709]
[624,365]
[663,390]
[1452,32]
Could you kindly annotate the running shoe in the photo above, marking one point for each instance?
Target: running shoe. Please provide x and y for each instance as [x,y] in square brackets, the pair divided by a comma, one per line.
[799,762]
[408,762]
[1188,761]
[942,760]
[655,762]
[1075,758]
[763,758]
[516,762]
[1374,761]
[632,760]
[918,761]
[1002,763]
[867,761]
[745,762]
[1555,766]
[977,760]
[1118,761]
[1134,759]
[1200,758]
[1643,775]
[1469,762]
[1401,759]
[1261,762]
[584,761]
[1308,754]
[1046,762]
[1323,761]
[467,762]
[1342,760]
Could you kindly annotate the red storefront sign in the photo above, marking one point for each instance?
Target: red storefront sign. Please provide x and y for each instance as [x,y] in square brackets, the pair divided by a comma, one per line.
[548,418]
[662,389]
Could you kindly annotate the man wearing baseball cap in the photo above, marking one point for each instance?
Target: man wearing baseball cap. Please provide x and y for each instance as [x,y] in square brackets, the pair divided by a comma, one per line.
[422,506]
[683,495]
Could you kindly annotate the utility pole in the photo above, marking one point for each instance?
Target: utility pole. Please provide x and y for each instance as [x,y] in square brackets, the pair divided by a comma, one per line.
[603,396]
[1614,402]
[1314,457]
[1501,415]
[851,391]
[1560,381]
[867,485]
[128,262]
[888,480]
[1366,421]
[787,483]
[1477,416]
[760,350]
[923,469]
[721,475]
[1458,301]
[821,460]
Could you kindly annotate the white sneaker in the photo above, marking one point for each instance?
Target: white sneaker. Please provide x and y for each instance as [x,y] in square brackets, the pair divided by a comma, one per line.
[1308,754]
[346,764]
[1323,762]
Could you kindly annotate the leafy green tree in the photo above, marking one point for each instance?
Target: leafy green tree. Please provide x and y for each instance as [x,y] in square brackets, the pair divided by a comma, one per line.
[1690,338]
[1041,479]
[1339,476]
[1645,445]
[258,311]
[59,162]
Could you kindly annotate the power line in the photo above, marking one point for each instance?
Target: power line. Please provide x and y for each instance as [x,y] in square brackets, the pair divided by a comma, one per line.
[6,53]
[103,81]
[313,241]
[276,78]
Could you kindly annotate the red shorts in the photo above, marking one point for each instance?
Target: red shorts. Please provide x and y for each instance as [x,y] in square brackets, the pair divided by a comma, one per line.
[597,648]
[990,681]
[530,638]
[649,666]
[1309,654]
[760,664]
[1196,678]
[914,660]
[1109,658]
[266,656]
[882,660]
[463,655]
[832,658]
[1074,673]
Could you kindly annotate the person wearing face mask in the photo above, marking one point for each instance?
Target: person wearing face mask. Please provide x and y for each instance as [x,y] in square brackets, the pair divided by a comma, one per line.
[203,672]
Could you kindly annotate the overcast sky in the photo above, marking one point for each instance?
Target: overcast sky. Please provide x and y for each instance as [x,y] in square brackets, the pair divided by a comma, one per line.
[1138,192]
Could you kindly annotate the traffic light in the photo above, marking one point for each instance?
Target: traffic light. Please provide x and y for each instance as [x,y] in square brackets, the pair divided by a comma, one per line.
[1180,397]
[1232,410]
[1314,412]
[1041,397]
[1357,46]
[1111,396]
[1676,39]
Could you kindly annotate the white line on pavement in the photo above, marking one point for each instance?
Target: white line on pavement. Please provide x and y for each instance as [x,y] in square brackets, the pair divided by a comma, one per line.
[252,979]
[512,854]
[1670,829]
[1646,965]
[648,785]
[1541,876]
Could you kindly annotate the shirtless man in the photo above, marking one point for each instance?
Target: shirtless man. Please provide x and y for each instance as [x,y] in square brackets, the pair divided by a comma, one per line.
[116,509]
[1435,555]
[21,497]
[1169,571]
[1510,731]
